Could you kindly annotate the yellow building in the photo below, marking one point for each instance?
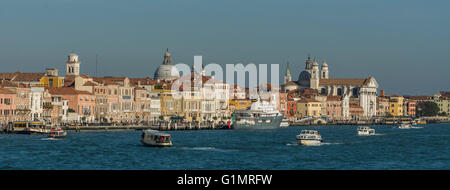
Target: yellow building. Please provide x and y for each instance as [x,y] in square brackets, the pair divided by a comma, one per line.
[240,104]
[308,107]
[51,79]
[396,105]
[443,102]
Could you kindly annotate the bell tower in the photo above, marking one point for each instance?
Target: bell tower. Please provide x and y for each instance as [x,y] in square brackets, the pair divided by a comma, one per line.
[324,72]
[72,65]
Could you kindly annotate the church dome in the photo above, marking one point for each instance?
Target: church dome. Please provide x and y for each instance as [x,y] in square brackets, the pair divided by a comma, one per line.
[167,72]
[304,78]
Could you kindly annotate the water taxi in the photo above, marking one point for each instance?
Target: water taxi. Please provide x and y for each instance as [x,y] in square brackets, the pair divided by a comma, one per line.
[405,126]
[420,121]
[309,137]
[156,138]
[406,120]
[365,131]
[284,123]
[57,133]
[26,127]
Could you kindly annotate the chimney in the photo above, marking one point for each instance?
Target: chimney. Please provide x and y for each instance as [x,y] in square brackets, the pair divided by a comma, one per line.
[381,92]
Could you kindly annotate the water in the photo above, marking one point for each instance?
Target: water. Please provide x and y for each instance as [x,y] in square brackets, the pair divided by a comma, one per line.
[391,148]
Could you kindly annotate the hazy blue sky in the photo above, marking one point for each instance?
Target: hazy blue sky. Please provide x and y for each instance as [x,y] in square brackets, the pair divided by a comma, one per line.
[405,45]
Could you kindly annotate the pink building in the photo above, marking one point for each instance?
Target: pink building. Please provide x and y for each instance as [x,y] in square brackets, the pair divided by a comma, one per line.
[81,102]
[7,106]
[334,107]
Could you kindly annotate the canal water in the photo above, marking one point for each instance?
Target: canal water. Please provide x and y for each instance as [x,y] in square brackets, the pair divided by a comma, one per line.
[391,148]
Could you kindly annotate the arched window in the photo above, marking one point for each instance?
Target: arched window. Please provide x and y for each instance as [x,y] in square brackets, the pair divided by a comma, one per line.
[323,91]
[340,92]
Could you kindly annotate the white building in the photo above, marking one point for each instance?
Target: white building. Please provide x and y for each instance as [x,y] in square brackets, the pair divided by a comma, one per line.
[363,88]
[36,103]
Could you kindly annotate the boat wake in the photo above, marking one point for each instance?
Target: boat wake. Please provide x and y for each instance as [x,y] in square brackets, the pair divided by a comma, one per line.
[416,127]
[292,144]
[323,143]
[50,139]
[206,149]
[331,143]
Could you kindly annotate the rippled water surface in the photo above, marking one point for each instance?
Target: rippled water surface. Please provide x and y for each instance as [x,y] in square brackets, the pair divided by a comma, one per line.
[391,148]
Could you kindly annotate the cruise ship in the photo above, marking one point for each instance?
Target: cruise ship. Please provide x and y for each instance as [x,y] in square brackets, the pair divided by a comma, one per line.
[261,115]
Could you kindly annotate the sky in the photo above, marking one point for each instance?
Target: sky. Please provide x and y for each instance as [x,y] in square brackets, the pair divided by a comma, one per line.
[404,44]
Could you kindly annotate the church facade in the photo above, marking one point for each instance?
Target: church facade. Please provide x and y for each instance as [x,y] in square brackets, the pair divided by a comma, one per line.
[365,89]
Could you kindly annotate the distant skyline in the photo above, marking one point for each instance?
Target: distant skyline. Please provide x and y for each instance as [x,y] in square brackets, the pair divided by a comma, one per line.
[403,44]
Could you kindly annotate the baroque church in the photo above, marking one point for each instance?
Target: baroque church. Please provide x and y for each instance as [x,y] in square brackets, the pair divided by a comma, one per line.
[365,89]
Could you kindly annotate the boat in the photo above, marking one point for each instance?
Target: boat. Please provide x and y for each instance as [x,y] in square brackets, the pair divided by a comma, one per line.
[57,133]
[405,120]
[309,137]
[420,121]
[365,131]
[26,127]
[156,138]
[284,123]
[405,126]
[261,115]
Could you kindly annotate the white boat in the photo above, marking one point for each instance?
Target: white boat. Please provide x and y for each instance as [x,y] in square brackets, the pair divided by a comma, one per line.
[156,138]
[261,115]
[365,131]
[309,137]
[284,123]
[57,133]
[405,126]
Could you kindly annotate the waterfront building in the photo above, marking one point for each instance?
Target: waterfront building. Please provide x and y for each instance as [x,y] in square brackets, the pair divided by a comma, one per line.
[51,79]
[283,103]
[155,108]
[396,105]
[22,100]
[308,107]
[55,108]
[383,106]
[36,103]
[7,106]
[142,105]
[80,102]
[291,109]
[364,89]
[409,108]
[240,104]
[356,112]
[442,99]
[334,107]
[237,92]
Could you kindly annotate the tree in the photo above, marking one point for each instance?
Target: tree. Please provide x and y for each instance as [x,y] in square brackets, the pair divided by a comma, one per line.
[427,109]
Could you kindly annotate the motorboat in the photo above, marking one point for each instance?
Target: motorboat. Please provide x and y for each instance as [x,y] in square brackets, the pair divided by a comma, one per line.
[365,131]
[405,126]
[156,138]
[309,137]
[57,133]
[284,123]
